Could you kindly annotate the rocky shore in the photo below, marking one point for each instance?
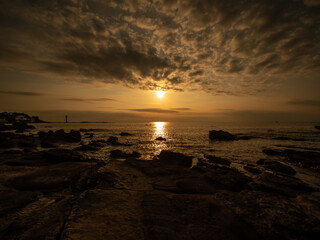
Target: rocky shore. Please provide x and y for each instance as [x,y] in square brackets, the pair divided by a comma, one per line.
[49,192]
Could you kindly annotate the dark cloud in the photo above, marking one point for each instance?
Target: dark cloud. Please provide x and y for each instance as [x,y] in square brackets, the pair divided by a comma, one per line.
[153,110]
[180,109]
[305,103]
[164,44]
[22,93]
[88,99]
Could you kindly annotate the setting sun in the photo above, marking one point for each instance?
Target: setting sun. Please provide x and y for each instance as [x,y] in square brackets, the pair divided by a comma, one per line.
[160,94]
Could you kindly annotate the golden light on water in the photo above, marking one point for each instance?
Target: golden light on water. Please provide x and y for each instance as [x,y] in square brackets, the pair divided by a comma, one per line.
[160,94]
[159,129]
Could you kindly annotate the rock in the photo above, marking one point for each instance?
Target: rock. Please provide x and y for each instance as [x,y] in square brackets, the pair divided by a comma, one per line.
[161,139]
[252,169]
[47,144]
[289,139]
[125,134]
[227,178]
[63,155]
[277,166]
[273,152]
[88,135]
[174,158]
[12,152]
[221,136]
[86,148]
[61,136]
[22,126]
[120,154]
[282,184]
[317,127]
[27,143]
[112,140]
[214,159]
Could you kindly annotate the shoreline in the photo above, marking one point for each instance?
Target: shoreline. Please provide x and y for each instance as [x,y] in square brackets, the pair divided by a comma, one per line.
[68,194]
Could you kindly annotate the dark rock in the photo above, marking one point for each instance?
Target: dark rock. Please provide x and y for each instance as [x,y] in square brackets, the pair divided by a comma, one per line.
[252,169]
[125,134]
[12,152]
[161,139]
[214,159]
[60,136]
[227,178]
[221,136]
[174,158]
[277,166]
[86,148]
[120,154]
[289,139]
[27,143]
[282,184]
[272,152]
[88,135]
[63,155]
[112,140]
[317,127]
[47,144]
[22,126]
[98,144]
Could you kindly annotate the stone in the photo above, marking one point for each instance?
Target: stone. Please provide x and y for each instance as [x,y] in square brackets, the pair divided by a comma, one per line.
[214,159]
[161,139]
[125,134]
[174,158]
[221,136]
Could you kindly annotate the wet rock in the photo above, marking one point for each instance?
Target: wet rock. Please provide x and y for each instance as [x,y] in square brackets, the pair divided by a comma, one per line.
[289,139]
[221,136]
[272,152]
[317,127]
[227,178]
[125,134]
[277,166]
[63,155]
[27,142]
[60,136]
[21,126]
[86,148]
[252,169]
[88,135]
[112,140]
[12,152]
[161,139]
[282,184]
[47,144]
[121,154]
[174,158]
[214,159]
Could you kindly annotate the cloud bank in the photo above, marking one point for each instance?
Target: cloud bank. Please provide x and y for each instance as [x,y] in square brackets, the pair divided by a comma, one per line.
[232,47]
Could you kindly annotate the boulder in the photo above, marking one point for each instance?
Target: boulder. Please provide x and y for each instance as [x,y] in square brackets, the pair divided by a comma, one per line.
[252,169]
[317,127]
[277,166]
[161,139]
[60,136]
[221,136]
[125,134]
[112,140]
[174,158]
[121,154]
[214,159]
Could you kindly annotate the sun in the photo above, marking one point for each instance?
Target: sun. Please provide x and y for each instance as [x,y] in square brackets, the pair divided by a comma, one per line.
[160,94]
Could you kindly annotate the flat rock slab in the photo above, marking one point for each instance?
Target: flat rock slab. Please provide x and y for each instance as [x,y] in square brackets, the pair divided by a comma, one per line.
[106,214]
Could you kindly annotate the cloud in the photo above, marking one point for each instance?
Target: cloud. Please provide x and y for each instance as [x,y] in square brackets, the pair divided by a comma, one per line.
[165,45]
[180,109]
[153,110]
[22,93]
[88,99]
[299,102]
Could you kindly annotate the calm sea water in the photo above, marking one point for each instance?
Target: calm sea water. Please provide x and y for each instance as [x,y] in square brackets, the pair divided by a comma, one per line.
[192,138]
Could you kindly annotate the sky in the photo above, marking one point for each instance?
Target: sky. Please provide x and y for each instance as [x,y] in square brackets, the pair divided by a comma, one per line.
[97,60]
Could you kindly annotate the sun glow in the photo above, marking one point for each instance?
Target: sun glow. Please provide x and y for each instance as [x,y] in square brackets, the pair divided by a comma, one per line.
[160,94]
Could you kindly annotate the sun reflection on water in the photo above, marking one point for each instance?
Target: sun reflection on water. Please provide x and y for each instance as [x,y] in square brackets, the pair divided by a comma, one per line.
[159,131]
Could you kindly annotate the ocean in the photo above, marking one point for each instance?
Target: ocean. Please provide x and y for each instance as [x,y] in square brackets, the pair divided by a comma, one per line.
[192,138]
